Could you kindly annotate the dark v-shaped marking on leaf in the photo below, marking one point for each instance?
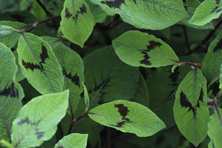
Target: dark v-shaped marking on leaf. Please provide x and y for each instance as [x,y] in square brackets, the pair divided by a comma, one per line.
[38,134]
[74,79]
[185,103]
[152,45]
[43,56]
[101,87]
[123,110]
[27,121]
[218,46]
[82,11]
[11,91]
[114,4]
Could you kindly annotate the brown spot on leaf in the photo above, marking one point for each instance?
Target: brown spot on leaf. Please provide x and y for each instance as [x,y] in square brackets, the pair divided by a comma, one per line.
[214,9]
[67,13]
[123,110]
[146,57]
[26,120]
[152,45]
[39,134]
[44,55]
[114,4]
[11,91]
[218,46]
[74,79]
[82,11]
[31,66]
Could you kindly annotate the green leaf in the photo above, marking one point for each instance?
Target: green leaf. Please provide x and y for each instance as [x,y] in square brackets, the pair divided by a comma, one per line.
[19,75]
[73,140]
[128,117]
[141,49]
[53,6]
[206,11]
[190,108]
[5,30]
[11,92]
[142,95]
[72,68]
[98,14]
[37,120]
[213,59]
[215,129]
[77,21]
[86,98]
[107,78]
[11,37]
[155,14]
[39,64]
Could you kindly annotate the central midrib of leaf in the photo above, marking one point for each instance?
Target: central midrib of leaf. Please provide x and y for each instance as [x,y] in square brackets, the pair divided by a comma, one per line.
[109,76]
[38,62]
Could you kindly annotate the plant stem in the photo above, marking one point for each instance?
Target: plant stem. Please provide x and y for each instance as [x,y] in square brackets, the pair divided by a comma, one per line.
[37,23]
[186,39]
[74,120]
[198,65]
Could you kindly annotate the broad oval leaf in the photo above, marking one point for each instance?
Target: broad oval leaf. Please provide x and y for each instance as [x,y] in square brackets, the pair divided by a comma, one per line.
[206,11]
[107,78]
[72,68]
[11,92]
[128,117]
[141,49]
[190,108]
[213,59]
[73,140]
[77,21]
[215,129]
[39,64]
[37,120]
[154,14]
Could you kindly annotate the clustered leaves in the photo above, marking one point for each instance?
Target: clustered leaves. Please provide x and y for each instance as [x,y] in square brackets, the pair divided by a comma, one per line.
[136,84]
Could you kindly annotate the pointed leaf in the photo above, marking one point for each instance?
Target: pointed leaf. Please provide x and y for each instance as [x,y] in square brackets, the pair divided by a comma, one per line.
[127,116]
[213,59]
[72,68]
[206,11]
[155,14]
[77,21]
[73,140]
[107,78]
[11,37]
[215,129]
[39,64]
[5,30]
[11,92]
[37,120]
[141,49]
[86,98]
[190,108]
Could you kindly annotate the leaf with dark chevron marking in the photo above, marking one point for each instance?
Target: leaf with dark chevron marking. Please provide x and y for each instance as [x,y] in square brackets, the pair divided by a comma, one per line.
[190,108]
[72,67]
[141,49]
[127,117]
[40,57]
[77,21]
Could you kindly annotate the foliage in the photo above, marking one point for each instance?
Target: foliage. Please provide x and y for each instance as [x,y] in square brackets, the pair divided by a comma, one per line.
[110,73]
